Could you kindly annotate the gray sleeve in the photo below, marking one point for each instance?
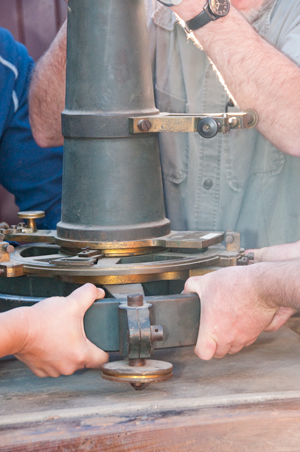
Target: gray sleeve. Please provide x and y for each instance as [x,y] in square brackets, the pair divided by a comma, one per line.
[285,28]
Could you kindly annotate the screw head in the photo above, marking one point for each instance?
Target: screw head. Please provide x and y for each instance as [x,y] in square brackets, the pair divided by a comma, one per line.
[144,125]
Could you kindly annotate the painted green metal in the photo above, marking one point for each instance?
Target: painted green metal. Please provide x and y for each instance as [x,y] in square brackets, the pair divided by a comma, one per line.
[112,184]
[179,315]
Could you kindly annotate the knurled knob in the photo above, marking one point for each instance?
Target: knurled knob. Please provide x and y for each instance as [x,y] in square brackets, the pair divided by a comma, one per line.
[31,216]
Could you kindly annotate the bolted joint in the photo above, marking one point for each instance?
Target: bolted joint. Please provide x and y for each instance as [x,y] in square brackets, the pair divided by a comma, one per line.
[5,250]
[136,332]
[144,125]
[233,242]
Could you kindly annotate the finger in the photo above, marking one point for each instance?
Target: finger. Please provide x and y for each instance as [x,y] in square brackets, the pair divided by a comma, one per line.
[250,342]
[235,349]
[222,350]
[192,285]
[86,295]
[96,356]
[205,347]
[279,319]
[254,255]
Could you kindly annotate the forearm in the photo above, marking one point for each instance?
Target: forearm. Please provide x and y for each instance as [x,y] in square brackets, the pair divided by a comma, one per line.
[13,331]
[277,283]
[256,74]
[47,93]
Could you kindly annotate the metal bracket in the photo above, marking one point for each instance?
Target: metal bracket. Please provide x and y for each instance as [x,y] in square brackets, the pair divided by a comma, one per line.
[207,125]
[137,334]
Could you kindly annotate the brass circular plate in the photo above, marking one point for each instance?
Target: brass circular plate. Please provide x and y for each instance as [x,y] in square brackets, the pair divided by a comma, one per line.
[49,261]
[176,239]
[153,371]
[131,251]
[31,214]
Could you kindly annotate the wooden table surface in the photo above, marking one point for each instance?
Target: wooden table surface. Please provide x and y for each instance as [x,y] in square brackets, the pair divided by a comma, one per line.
[244,402]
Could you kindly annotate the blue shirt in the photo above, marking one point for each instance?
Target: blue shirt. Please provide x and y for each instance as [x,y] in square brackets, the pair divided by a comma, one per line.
[31,173]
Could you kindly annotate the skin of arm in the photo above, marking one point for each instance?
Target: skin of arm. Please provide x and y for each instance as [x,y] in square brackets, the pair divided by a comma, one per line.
[257,75]
[238,303]
[47,93]
[49,337]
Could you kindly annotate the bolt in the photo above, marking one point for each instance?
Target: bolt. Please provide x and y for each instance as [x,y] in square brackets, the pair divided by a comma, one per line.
[229,239]
[135,300]
[206,128]
[250,256]
[9,248]
[233,121]
[144,125]
[136,362]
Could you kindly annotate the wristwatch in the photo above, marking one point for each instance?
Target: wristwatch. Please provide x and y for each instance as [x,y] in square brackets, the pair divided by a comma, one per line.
[170,2]
[213,10]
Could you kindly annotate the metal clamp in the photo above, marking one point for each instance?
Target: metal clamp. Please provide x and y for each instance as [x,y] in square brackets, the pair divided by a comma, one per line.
[136,332]
[207,125]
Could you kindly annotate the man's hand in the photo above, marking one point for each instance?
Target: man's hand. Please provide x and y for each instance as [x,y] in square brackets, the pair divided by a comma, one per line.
[56,342]
[236,306]
[275,253]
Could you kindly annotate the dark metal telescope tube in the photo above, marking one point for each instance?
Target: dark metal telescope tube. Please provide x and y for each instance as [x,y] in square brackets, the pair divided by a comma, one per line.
[112,185]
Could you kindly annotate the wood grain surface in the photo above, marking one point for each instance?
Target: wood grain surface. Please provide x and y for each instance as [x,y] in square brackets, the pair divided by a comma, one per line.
[244,402]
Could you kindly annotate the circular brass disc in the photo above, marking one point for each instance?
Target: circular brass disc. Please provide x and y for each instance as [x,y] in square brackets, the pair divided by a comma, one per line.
[131,251]
[176,239]
[152,372]
[50,261]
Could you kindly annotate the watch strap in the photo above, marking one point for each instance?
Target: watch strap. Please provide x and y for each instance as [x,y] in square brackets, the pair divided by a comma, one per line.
[200,20]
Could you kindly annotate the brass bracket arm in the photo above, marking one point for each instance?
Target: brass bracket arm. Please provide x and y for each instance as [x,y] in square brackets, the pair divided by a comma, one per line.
[207,125]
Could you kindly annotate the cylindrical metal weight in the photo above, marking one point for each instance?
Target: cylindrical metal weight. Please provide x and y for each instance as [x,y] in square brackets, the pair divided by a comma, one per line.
[112,185]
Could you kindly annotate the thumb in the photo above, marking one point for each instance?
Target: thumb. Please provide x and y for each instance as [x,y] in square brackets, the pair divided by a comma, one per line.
[192,285]
[279,319]
[206,346]
[96,356]
[86,295]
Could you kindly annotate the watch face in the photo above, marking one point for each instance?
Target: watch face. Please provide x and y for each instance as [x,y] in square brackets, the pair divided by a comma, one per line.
[219,7]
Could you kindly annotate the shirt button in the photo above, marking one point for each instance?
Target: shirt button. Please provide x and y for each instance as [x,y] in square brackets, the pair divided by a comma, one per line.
[207,184]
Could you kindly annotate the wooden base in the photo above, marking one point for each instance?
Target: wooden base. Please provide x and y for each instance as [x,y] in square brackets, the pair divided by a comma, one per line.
[244,402]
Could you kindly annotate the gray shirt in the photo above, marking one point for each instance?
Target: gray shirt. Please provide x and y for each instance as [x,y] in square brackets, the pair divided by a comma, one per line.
[235,181]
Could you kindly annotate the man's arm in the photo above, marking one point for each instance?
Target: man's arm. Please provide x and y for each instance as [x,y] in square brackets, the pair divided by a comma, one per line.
[238,303]
[47,93]
[49,337]
[256,74]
